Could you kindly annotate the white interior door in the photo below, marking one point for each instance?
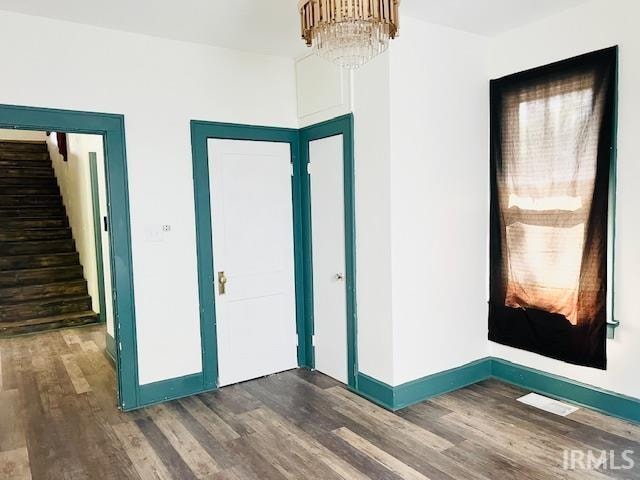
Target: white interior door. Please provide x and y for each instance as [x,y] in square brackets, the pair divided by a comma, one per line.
[252,218]
[327,231]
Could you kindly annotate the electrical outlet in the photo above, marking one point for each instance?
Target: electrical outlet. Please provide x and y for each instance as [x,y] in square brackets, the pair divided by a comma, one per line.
[166,228]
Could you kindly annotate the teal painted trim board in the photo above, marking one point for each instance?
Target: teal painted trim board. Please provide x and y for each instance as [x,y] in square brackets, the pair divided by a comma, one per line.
[111,347]
[171,389]
[97,235]
[442,382]
[401,396]
[201,132]
[111,128]
[376,391]
[563,388]
[338,126]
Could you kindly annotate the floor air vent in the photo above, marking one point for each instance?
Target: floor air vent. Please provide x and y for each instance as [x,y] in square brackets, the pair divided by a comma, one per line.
[548,404]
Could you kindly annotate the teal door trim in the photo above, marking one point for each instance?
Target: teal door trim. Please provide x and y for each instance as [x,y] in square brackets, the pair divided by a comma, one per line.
[97,233]
[338,126]
[111,127]
[201,132]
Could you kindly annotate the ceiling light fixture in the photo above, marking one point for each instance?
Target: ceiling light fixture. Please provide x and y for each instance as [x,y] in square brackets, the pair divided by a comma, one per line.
[349,32]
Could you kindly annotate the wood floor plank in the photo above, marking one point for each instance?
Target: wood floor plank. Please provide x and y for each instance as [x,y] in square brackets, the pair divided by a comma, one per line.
[364,463]
[142,455]
[392,463]
[89,346]
[176,465]
[253,460]
[609,424]
[525,447]
[75,374]
[214,447]
[60,421]
[208,419]
[492,464]
[183,442]
[353,404]
[12,435]
[226,408]
[311,414]
[14,465]
[271,423]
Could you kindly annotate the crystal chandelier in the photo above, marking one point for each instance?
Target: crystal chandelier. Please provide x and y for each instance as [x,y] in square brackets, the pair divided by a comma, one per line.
[349,32]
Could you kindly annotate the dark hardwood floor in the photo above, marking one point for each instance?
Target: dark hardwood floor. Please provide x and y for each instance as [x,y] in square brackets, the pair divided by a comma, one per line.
[58,420]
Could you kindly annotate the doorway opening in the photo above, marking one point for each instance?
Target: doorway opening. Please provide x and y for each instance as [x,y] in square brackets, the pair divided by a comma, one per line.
[65,245]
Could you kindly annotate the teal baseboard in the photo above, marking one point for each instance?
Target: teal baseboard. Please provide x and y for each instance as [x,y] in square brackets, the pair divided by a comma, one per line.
[442,382]
[111,348]
[395,398]
[401,396]
[376,391]
[562,388]
[171,389]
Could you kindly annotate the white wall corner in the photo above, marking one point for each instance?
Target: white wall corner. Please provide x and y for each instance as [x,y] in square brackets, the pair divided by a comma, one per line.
[323,90]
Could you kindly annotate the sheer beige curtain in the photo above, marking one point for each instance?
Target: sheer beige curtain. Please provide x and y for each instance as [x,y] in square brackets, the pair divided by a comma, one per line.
[550,136]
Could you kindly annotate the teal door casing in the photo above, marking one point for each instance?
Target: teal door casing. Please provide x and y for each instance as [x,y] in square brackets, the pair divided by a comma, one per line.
[201,132]
[338,126]
[111,128]
[97,232]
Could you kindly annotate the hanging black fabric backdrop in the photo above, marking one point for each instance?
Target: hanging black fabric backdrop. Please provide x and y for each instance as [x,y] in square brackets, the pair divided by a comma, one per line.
[551,146]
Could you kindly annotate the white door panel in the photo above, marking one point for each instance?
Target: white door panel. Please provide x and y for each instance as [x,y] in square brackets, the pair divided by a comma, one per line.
[327,228]
[252,222]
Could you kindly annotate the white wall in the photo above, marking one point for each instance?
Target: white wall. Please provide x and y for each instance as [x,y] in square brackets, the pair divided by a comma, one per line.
[595,25]
[371,103]
[421,152]
[25,135]
[439,198]
[159,85]
[74,180]
[323,90]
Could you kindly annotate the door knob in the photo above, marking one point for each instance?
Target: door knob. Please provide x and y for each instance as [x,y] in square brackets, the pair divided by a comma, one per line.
[222,282]
[339,276]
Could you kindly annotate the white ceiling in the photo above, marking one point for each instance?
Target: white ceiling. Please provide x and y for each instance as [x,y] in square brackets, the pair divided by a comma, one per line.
[270,26]
[484,17]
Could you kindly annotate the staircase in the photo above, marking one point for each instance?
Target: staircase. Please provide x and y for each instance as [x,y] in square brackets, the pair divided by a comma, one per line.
[41,280]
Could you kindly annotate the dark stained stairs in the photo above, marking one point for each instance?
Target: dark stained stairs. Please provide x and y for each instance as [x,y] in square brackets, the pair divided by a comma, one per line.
[42,286]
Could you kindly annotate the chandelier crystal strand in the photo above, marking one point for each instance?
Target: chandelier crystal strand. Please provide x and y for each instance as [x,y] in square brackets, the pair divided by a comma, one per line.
[349,32]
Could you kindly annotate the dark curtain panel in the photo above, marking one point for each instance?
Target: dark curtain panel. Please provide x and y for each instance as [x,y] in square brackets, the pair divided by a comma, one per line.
[551,142]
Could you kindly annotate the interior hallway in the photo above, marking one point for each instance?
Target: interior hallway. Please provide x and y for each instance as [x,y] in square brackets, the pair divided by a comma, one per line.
[59,420]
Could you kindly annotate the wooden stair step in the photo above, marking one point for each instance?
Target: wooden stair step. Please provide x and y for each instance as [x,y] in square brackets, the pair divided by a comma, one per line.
[38,276]
[26,235]
[24,262]
[42,324]
[23,146]
[46,172]
[30,200]
[37,247]
[26,162]
[26,181]
[44,308]
[40,157]
[34,223]
[75,288]
[51,189]
[34,211]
